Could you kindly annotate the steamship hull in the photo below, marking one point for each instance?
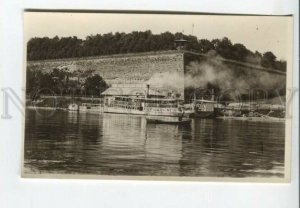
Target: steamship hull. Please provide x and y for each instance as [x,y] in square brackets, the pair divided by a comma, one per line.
[118,110]
[164,120]
[160,112]
[202,114]
[200,109]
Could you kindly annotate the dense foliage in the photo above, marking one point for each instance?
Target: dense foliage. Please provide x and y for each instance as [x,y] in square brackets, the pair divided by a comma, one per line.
[105,44]
[63,82]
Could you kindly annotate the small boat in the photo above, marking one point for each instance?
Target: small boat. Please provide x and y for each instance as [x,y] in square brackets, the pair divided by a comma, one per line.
[73,107]
[183,122]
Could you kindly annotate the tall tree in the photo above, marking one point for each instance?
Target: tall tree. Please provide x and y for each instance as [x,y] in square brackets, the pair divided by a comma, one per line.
[268,60]
[95,85]
[205,45]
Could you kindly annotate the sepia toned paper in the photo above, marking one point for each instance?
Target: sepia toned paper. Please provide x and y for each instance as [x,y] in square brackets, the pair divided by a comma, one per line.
[106,99]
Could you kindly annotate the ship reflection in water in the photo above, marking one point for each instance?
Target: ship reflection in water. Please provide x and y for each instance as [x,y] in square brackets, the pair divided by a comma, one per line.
[115,144]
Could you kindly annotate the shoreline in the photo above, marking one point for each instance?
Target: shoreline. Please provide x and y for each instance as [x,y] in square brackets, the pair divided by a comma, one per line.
[218,117]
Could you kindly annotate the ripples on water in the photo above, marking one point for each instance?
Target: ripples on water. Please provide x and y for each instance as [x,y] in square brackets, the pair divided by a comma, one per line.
[115,144]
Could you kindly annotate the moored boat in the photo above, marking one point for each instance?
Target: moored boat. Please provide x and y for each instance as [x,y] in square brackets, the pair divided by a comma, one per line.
[124,105]
[73,107]
[200,108]
[168,107]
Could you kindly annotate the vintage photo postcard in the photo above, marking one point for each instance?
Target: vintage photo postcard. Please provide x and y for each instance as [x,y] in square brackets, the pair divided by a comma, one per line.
[157,96]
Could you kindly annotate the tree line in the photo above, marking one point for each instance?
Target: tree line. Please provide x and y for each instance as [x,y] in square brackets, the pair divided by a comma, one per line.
[63,82]
[137,41]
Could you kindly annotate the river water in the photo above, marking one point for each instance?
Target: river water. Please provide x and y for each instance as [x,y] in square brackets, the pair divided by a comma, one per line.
[115,144]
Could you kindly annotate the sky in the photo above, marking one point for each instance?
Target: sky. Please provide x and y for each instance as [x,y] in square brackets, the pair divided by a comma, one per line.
[261,33]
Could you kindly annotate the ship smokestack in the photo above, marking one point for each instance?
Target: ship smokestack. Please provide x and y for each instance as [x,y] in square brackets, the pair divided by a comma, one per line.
[148,89]
[212,94]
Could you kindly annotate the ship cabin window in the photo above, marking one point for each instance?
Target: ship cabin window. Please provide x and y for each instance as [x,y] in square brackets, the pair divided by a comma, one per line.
[162,103]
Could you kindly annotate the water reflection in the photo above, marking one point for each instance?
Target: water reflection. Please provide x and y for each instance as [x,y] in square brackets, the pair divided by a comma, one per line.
[115,144]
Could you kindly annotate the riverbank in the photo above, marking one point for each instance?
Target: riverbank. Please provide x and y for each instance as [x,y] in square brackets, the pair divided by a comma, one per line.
[263,118]
[60,102]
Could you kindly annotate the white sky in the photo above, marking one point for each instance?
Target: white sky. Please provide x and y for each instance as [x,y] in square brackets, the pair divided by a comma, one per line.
[261,33]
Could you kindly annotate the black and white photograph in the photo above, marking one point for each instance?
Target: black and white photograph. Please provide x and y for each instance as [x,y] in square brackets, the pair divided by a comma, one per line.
[157,96]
